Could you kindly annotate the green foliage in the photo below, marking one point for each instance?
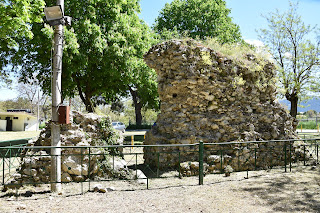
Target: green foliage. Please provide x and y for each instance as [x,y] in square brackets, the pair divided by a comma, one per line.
[311,113]
[307,125]
[16,16]
[238,52]
[19,103]
[197,19]
[15,19]
[296,56]
[42,125]
[143,126]
[138,139]
[127,117]
[110,137]
[102,54]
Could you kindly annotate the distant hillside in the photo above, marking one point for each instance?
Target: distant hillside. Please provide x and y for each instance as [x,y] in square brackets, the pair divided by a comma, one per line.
[313,104]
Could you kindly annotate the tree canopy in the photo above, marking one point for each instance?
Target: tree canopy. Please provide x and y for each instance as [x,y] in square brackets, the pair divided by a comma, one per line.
[15,19]
[102,50]
[297,57]
[198,18]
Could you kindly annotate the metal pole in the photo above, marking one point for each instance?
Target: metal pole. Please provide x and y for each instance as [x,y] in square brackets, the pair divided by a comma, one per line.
[285,157]
[3,167]
[56,101]
[38,110]
[201,163]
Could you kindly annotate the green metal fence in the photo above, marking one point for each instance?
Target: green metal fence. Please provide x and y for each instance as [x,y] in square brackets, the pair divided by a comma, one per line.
[31,165]
[308,135]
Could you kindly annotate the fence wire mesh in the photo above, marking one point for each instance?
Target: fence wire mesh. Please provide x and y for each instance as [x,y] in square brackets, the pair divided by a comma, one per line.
[125,168]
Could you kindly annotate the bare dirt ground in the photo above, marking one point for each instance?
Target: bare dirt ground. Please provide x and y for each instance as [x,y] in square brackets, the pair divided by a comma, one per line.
[263,191]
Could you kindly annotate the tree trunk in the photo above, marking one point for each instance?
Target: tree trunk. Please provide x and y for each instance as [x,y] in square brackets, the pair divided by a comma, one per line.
[294,107]
[85,96]
[137,106]
[293,98]
[87,101]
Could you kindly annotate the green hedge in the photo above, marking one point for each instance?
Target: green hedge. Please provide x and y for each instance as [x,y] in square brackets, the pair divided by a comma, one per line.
[307,125]
[134,126]
[136,138]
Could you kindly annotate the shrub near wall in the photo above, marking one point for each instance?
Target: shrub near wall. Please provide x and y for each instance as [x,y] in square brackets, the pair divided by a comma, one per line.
[307,125]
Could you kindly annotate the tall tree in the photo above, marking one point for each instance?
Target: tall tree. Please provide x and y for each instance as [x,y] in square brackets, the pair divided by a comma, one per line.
[99,51]
[32,92]
[297,57]
[198,18]
[143,89]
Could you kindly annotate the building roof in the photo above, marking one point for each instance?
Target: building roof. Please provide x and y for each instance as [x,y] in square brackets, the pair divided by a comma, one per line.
[19,110]
[24,114]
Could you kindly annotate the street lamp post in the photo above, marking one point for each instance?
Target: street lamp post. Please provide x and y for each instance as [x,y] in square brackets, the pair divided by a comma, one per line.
[55,17]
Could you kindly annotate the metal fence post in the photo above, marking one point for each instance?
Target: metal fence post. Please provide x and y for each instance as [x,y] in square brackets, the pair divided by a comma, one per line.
[136,166]
[10,152]
[285,157]
[179,165]
[221,161]
[290,163]
[255,158]
[81,160]
[3,167]
[201,163]
[158,163]
[304,154]
[317,152]
[89,168]
[238,158]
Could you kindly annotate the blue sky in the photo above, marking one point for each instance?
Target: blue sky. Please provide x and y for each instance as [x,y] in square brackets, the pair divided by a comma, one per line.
[245,13]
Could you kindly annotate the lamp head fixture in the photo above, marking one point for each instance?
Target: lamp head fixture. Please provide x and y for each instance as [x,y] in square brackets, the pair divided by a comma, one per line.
[55,16]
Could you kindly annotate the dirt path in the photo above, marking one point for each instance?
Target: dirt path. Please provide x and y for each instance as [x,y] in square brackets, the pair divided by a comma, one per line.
[264,191]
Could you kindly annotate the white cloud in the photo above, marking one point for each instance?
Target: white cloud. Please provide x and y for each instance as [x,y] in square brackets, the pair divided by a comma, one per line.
[256,43]
[288,55]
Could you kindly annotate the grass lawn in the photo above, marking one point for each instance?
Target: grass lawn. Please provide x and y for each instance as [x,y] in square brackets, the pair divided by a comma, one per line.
[6,136]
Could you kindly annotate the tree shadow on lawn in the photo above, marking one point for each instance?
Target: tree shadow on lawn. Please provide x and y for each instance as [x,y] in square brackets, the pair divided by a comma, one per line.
[290,192]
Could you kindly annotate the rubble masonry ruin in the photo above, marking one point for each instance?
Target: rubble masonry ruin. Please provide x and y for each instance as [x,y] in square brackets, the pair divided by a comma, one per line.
[210,97]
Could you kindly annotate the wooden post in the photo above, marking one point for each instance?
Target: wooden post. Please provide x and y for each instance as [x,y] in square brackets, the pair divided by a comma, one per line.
[132,141]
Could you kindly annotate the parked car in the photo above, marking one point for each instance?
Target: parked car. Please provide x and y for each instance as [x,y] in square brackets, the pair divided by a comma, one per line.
[119,126]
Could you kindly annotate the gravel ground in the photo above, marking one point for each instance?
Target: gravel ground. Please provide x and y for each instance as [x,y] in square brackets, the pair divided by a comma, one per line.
[273,191]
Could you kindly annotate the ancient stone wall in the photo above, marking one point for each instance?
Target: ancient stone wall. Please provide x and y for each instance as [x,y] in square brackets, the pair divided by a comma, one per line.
[211,97]
[76,164]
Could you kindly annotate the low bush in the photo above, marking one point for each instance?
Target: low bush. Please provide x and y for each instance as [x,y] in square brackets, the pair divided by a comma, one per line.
[42,125]
[134,126]
[307,125]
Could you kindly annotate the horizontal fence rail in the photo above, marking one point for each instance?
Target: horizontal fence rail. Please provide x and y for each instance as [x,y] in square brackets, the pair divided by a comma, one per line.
[30,165]
[16,142]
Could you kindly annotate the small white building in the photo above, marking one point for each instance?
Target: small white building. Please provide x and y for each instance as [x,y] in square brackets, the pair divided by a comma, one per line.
[18,121]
